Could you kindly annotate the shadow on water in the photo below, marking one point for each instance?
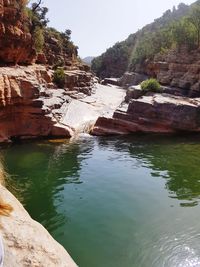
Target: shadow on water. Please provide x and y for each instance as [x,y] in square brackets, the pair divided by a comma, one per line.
[38,174]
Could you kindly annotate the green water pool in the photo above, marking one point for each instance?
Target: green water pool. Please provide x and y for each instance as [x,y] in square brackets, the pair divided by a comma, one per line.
[114,202]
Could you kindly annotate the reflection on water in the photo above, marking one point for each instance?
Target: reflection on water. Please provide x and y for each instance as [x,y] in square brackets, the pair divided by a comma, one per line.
[127,201]
[39,175]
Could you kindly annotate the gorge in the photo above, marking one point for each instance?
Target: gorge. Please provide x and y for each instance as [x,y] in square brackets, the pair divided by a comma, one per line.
[126,200]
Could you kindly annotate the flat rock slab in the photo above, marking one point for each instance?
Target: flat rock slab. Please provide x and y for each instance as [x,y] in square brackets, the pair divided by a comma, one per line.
[103,102]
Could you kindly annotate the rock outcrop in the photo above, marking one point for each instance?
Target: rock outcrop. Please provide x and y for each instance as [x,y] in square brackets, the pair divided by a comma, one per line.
[177,69]
[55,53]
[30,104]
[16,45]
[26,242]
[156,114]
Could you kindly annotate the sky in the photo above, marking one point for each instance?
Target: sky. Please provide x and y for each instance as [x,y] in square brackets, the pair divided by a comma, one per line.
[98,24]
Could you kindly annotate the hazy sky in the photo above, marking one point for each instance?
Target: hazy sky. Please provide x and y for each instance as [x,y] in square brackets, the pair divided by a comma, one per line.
[98,24]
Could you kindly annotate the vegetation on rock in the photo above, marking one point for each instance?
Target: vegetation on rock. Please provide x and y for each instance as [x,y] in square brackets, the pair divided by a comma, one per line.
[151,85]
[59,77]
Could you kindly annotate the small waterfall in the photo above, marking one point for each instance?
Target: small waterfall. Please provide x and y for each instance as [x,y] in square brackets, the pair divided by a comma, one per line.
[85,127]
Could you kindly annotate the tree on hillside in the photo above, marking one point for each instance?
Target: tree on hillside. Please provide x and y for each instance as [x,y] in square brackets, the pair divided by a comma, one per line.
[38,21]
[35,6]
[184,34]
[38,15]
[194,18]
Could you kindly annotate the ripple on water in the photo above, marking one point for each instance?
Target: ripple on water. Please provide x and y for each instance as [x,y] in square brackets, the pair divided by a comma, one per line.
[180,251]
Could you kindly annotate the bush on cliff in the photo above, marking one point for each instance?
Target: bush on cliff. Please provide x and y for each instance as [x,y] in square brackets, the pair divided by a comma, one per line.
[59,77]
[151,85]
[38,37]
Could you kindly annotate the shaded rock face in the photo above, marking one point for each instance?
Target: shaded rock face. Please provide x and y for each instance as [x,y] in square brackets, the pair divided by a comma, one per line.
[127,80]
[156,114]
[16,42]
[177,69]
[26,242]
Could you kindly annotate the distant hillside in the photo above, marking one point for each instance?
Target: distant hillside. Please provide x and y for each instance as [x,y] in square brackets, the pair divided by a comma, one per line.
[88,60]
[168,31]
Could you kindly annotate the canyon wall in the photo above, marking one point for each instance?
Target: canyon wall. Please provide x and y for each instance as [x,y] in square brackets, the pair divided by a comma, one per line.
[31,105]
[176,69]
[16,45]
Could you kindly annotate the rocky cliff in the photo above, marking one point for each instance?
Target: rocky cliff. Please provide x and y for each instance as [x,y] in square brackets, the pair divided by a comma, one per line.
[26,242]
[176,69]
[31,105]
[16,45]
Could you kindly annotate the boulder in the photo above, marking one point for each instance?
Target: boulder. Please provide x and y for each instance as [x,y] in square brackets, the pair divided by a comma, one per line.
[112,81]
[131,78]
[134,92]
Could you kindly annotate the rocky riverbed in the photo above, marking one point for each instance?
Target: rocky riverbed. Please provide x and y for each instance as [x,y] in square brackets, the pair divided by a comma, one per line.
[152,113]
[32,107]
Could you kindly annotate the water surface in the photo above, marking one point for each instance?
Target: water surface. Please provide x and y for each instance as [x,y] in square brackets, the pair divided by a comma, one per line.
[114,202]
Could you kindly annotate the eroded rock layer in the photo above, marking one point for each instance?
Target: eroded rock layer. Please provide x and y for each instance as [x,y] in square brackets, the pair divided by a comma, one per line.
[177,69]
[153,114]
[30,104]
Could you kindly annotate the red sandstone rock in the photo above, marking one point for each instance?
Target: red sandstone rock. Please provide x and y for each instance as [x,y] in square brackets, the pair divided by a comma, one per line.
[16,44]
[22,110]
[41,59]
[156,114]
[31,106]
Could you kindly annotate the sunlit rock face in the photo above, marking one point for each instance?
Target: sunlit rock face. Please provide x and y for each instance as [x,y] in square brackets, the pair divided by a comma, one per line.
[16,45]
[153,114]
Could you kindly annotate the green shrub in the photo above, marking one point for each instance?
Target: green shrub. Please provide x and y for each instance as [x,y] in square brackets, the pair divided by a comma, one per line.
[59,77]
[151,85]
[38,37]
